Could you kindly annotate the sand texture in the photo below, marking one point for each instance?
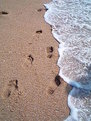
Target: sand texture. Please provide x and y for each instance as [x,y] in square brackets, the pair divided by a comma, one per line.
[28,57]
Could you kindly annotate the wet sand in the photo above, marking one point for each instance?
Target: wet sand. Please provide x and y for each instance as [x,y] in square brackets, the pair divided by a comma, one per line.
[28,57]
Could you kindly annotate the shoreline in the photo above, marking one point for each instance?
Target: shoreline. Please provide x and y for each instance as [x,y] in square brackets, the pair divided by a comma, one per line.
[29,54]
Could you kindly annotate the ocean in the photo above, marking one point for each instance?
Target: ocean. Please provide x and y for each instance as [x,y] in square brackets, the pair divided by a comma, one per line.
[71,27]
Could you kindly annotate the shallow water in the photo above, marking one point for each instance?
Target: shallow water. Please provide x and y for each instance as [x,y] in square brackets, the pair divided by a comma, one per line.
[71,26]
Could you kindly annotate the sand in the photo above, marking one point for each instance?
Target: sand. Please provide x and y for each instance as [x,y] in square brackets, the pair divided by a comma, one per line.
[28,67]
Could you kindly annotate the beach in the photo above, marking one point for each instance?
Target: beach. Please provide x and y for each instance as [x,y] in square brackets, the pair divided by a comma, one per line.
[28,65]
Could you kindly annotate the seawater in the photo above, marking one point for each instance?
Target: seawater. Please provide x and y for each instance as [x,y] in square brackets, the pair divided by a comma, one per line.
[71,27]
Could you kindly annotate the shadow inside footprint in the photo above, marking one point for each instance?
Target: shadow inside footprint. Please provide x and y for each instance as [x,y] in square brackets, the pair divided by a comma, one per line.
[50,90]
[16,84]
[50,51]
[39,31]
[41,9]
[4,12]
[49,56]
[30,57]
[57,80]
[7,93]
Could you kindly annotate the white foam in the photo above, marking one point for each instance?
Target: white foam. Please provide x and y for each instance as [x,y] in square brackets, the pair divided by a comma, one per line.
[77,100]
[71,27]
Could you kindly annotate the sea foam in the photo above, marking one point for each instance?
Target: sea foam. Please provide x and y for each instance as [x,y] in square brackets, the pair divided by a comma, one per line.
[71,27]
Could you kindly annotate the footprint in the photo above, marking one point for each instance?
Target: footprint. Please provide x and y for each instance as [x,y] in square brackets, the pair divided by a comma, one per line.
[50,51]
[54,84]
[27,61]
[6,93]
[9,89]
[3,12]
[13,83]
[51,88]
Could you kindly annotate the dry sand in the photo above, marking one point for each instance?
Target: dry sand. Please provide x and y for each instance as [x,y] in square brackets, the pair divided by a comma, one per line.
[27,69]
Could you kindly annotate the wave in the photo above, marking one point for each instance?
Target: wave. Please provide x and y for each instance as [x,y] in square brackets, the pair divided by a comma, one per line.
[71,27]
